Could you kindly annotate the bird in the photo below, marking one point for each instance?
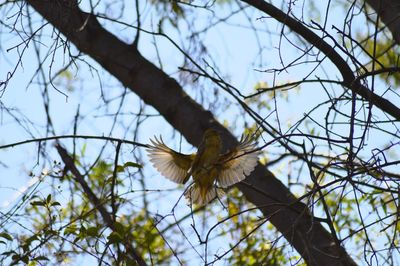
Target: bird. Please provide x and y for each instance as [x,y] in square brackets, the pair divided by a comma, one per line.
[208,166]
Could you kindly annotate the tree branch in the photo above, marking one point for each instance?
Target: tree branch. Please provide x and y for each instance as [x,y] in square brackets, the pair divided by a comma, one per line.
[349,79]
[389,13]
[156,88]
[70,165]
[11,145]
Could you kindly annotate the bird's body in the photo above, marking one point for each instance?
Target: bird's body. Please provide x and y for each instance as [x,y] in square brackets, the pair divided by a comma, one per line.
[206,167]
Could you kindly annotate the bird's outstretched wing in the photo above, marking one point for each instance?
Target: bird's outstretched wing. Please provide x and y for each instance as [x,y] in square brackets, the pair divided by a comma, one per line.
[238,163]
[171,164]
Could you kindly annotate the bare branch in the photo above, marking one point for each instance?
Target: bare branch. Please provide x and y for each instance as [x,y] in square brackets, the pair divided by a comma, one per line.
[349,79]
[70,165]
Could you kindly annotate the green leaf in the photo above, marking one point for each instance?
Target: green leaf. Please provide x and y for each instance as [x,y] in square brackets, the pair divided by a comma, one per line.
[6,236]
[92,231]
[119,228]
[50,232]
[41,258]
[31,239]
[132,164]
[70,230]
[176,8]
[83,150]
[120,168]
[48,199]
[37,203]
[8,253]
[56,203]
[383,204]
[114,237]
[82,231]
[25,259]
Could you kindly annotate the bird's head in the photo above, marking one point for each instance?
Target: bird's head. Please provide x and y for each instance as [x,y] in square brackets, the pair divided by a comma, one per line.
[211,134]
[212,138]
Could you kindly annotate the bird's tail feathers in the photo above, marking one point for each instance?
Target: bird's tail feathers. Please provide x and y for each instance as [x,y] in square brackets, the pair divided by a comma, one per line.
[193,195]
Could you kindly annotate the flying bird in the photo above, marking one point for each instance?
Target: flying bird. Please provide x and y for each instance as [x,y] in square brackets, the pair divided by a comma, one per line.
[207,167]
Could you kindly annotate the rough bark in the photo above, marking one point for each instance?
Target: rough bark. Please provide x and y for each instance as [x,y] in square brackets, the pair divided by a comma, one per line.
[389,13]
[290,217]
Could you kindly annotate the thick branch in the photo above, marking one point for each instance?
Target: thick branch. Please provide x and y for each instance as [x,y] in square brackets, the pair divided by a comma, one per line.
[389,13]
[349,79]
[156,88]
